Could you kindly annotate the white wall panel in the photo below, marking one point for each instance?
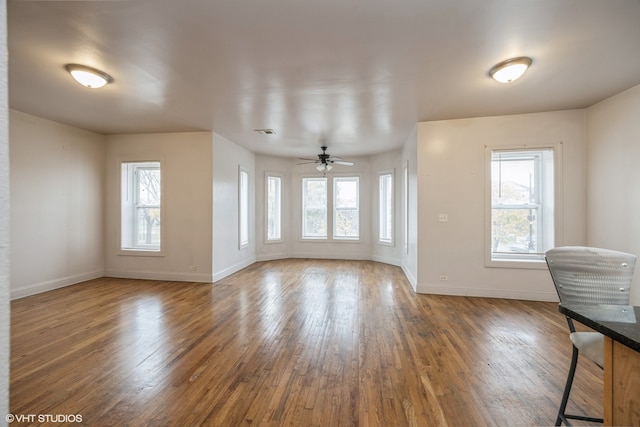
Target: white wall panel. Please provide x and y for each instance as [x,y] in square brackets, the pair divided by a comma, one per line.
[613,206]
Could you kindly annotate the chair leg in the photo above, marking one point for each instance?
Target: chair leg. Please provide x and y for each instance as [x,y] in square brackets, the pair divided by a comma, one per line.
[567,389]
[562,415]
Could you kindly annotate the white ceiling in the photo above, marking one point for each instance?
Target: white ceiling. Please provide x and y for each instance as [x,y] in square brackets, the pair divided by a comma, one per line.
[355,74]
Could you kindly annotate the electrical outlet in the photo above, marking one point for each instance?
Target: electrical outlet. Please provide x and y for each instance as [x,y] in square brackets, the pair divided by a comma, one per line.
[443,217]
[444,278]
[193,268]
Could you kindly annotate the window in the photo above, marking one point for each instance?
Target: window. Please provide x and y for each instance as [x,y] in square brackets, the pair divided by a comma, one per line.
[141,201]
[405,190]
[346,211]
[243,208]
[521,193]
[314,208]
[334,207]
[385,208]
[274,208]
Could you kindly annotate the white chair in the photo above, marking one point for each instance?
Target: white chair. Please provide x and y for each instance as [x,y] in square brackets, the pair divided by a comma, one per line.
[587,275]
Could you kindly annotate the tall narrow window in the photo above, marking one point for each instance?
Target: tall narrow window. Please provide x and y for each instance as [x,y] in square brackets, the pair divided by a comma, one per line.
[522,204]
[314,208]
[141,196]
[346,209]
[243,207]
[405,191]
[385,208]
[274,208]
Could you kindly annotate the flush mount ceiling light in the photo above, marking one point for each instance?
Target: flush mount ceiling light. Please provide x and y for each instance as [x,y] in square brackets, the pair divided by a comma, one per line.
[88,76]
[511,69]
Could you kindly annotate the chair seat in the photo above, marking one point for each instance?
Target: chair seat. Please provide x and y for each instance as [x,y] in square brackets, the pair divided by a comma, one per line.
[590,344]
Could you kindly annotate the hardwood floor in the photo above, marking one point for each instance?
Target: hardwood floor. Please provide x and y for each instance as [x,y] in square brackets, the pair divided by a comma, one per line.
[291,342]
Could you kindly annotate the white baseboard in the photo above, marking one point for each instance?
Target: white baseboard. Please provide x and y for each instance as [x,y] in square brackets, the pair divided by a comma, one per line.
[424,288]
[412,280]
[230,270]
[386,260]
[160,275]
[50,285]
[329,256]
[272,257]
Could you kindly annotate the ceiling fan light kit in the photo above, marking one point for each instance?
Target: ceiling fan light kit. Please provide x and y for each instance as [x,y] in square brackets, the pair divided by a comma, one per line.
[326,161]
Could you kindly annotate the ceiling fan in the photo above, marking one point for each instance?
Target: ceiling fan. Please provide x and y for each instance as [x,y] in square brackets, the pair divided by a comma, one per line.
[325,161]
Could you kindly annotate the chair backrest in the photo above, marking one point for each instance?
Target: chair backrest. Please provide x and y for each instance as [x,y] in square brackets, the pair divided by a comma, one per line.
[591,275]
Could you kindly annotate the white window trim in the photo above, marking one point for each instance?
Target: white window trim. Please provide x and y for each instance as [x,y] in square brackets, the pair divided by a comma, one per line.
[302,210]
[380,241]
[244,244]
[534,263]
[330,238]
[332,197]
[405,193]
[267,175]
[163,243]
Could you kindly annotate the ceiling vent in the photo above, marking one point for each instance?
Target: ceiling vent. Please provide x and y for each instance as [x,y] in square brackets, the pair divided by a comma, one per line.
[265,131]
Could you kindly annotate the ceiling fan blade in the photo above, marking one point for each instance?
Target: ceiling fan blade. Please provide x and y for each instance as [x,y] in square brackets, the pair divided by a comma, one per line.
[342,162]
[333,158]
[307,162]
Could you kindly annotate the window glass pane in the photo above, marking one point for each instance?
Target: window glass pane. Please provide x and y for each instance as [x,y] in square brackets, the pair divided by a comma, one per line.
[148,227]
[148,186]
[522,220]
[140,199]
[346,212]
[405,190]
[314,208]
[512,179]
[514,230]
[244,208]
[346,223]
[346,193]
[274,184]
[386,208]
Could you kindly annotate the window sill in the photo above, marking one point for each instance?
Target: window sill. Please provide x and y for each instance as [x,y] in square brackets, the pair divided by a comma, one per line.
[326,240]
[140,252]
[536,264]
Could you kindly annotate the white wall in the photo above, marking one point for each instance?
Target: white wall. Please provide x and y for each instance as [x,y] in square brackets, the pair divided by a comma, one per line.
[410,247]
[385,162]
[329,248]
[57,204]
[187,199]
[293,246]
[228,157]
[451,156]
[613,207]
[4,219]
[273,250]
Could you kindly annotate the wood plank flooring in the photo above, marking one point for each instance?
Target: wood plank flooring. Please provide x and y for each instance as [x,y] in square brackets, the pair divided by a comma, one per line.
[291,342]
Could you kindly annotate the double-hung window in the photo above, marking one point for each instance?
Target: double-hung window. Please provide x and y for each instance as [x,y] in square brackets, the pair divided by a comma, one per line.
[346,208]
[274,207]
[331,204]
[141,200]
[314,208]
[243,208]
[521,205]
[385,208]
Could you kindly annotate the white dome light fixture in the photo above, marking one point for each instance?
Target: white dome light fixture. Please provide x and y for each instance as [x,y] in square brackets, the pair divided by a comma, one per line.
[88,76]
[510,69]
